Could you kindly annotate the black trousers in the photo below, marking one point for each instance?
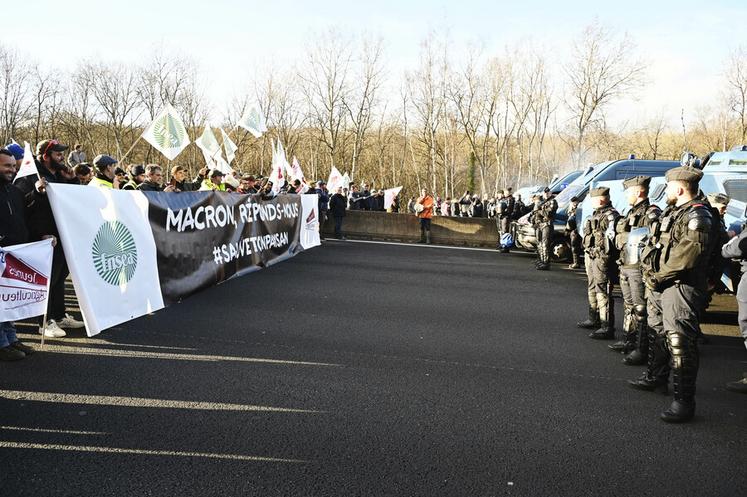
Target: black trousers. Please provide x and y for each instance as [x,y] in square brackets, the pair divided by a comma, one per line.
[338,226]
[60,271]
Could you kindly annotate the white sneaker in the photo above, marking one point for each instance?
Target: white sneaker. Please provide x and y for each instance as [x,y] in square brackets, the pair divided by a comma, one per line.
[70,322]
[49,333]
[54,329]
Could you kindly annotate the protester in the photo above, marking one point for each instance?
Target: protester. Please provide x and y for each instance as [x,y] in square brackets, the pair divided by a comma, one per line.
[321,190]
[446,207]
[120,176]
[179,179]
[13,231]
[83,173]
[337,207]
[105,177]
[50,168]
[214,182]
[77,156]
[736,248]
[424,209]
[137,176]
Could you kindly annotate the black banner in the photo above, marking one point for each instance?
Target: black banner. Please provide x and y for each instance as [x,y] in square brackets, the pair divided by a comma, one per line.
[205,238]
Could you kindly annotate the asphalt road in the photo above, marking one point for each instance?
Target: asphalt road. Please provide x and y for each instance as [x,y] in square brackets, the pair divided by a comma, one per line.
[365,369]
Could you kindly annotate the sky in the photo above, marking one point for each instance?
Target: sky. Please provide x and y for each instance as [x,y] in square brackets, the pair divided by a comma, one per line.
[684,43]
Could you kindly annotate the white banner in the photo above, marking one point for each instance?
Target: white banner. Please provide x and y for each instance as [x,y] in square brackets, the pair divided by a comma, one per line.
[110,251]
[24,280]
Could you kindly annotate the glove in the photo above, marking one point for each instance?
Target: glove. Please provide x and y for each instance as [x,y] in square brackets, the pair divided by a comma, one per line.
[649,279]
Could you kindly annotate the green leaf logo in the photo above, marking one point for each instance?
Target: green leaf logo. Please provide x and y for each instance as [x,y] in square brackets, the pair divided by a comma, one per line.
[114,253]
[168,132]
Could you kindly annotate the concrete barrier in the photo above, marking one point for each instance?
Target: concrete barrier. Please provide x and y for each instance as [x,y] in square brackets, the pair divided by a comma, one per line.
[463,231]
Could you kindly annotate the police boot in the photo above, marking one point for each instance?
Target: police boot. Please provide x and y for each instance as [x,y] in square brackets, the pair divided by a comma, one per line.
[606,329]
[684,374]
[605,332]
[428,237]
[648,383]
[592,323]
[624,346]
[639,355]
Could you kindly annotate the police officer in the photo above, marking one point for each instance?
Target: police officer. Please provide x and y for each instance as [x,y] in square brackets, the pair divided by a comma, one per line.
[505,213]
[572,232]
[600,259]
[736,248]
[674,263]
[641,215]
[543,218]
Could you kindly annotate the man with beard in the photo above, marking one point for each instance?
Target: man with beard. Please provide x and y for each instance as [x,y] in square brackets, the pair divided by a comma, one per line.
[137,176]
[641,215]
[51,168]
[675,267]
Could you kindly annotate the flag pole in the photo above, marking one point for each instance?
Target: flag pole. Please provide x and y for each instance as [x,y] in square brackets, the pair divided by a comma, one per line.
[130,150]
[46,309]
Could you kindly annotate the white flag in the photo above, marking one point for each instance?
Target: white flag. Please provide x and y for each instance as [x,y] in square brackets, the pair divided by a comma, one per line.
[296,172]
[389,196]
[209,146]
[229,146]
[24,280]
[278,167]
[345,180]
[28,166]
[335,179]
[253,121]
[167,133]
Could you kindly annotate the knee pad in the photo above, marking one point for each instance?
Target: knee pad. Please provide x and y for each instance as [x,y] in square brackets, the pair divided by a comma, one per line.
[640,312]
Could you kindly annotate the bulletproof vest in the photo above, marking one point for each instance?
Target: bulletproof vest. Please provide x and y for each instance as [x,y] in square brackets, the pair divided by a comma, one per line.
[601,228]
[671,230]
[642,215]
[546,211]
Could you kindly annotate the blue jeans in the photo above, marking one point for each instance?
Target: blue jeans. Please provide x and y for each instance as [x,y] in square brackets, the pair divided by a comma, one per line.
[7,334]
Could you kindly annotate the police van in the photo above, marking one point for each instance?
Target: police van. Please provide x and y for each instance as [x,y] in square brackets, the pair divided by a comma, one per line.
[617,170]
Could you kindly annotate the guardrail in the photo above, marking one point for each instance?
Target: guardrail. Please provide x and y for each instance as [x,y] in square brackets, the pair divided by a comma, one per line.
[397,227]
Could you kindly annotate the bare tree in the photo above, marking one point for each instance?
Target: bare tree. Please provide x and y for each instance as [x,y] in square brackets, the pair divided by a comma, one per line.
[601,70]
[736,77]
[15,92]
[325,86]
[361,100]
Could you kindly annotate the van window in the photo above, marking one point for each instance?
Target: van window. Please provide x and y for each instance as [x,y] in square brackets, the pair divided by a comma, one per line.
[736,189]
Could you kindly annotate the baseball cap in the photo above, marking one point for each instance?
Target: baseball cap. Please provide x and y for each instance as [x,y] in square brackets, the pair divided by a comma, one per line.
[103,161]
[46,146]
[137,170]
[16,150]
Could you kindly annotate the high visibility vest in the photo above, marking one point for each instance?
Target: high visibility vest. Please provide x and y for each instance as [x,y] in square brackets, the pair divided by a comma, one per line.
[100,183]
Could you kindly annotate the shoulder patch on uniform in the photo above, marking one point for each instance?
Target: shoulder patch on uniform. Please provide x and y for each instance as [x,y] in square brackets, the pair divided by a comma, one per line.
[611,217]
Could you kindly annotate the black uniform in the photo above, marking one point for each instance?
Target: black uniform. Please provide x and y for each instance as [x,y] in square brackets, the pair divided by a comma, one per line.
[543,218]
[600,259]
[635,327]
[675,266]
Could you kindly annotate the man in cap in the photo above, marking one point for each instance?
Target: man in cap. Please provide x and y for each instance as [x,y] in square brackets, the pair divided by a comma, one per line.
[104,173]
[543,218]
[17,151]
[214,181]
[571,230]
[641,215]
[600,260]
[51,168]
[137,176]
[675,266]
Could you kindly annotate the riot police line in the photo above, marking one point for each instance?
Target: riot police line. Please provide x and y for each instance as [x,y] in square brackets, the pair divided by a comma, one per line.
[665,263]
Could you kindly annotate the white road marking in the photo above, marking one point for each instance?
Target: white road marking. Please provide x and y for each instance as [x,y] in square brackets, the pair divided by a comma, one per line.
[106,400]
[118,450]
